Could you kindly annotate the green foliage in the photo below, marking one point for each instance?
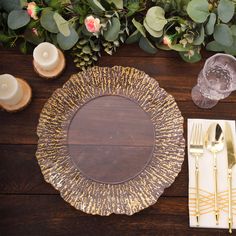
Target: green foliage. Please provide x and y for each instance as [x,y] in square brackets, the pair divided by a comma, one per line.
[198,10]
[181,25]
[225,10]
[17,19]
[67,42]
[62,24]
[134,37]
[155,18]
[200,38]
[191,59]
[139,27]
[113,30]
[96,6]
[47,21]
[223,35]
[10,5]
[118,3]
[211,24]
[147,46]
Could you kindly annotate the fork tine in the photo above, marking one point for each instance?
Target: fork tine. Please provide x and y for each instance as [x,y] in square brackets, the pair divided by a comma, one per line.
[192,139]
[196,150]
[201,136]
[198,134]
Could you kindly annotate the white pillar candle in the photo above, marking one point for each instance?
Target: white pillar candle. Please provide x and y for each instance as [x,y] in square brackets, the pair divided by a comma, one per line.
[46,56]
[10,90]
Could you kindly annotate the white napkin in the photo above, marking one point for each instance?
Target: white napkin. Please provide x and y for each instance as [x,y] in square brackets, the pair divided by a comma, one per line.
[206,182]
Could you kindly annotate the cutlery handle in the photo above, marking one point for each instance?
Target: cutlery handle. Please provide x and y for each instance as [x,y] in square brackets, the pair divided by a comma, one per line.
[216,191]
[230,199]
[197,189]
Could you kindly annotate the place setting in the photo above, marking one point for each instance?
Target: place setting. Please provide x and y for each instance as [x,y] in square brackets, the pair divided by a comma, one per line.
[211,160]
[111,140]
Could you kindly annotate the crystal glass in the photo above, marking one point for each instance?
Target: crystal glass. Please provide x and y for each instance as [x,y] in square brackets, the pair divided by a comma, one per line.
[216,80]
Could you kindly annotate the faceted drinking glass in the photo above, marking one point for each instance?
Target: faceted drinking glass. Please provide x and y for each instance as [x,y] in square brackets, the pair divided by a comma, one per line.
[216,80]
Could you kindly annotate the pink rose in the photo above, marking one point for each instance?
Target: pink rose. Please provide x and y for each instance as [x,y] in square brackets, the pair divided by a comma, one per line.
[32,10]
[92,24]
[167,40]
[35,31]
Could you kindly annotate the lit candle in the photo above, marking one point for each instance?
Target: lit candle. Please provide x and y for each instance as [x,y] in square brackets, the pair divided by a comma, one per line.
[10,90]
[46,56]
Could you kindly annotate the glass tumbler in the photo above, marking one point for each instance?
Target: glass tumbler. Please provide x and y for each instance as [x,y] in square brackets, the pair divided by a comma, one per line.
[216,80]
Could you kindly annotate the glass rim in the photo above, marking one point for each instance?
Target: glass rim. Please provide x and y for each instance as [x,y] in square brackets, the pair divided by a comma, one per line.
[204,70]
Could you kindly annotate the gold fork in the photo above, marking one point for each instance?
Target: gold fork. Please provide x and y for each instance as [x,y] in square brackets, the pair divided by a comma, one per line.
[196,150]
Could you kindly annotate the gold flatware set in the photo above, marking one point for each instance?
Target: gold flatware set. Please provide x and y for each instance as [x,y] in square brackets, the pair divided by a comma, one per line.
[214,140]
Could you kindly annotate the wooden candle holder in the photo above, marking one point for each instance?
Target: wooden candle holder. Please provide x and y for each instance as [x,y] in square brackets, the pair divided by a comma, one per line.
[27,95]
[53,73]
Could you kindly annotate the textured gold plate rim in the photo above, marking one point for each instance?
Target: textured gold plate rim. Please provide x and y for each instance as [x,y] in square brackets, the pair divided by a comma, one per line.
[104,199]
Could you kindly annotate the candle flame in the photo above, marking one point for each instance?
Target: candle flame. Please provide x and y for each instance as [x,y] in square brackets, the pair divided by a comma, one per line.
[45,54]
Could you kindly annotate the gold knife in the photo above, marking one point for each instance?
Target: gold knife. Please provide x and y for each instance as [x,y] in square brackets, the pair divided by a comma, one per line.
[231,162]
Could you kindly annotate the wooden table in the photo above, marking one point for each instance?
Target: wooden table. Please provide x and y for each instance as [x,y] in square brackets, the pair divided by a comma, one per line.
[30,206]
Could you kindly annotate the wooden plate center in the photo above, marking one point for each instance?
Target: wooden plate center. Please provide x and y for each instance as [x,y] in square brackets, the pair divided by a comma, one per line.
[111,139]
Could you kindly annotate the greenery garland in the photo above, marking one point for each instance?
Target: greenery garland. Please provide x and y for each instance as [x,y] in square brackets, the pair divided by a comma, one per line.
[88,27]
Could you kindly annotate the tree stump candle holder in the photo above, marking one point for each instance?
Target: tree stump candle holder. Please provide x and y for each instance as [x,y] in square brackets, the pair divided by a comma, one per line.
[55,72]
[24,101]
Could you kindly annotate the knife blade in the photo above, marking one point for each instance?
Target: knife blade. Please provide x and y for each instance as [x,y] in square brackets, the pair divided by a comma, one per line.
[231,162]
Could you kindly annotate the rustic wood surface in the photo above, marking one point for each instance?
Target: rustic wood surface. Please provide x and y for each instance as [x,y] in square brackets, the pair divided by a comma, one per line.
[30,206]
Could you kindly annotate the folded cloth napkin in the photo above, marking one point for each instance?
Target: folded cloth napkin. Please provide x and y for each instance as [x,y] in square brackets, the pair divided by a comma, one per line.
[206,182]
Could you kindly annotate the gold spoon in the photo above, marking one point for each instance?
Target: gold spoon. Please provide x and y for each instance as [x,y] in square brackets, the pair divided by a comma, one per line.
[214,142]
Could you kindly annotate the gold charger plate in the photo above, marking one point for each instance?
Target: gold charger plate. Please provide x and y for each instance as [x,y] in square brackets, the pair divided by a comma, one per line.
[105,179]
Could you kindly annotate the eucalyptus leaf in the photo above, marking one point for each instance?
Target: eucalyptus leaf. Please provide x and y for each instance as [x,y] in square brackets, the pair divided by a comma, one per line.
[4,38]
[132,6]
[215,47]
[156,34]
[112,32]
[86,32]
[223,35]
[67,43]
[10,5]
[17,19]
[117,3]
[232,49]
[155,18]
[139,27]
[200,39]
[233,30]
[225,10]
[195,58]
[62,24]
[179,48]
[211,24]
[163,47]
[147,46]
[134,37]
[198,10]
[47,21]
[96,5]
[55,4]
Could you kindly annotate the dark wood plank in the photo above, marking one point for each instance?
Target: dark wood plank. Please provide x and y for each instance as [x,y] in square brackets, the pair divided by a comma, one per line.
[50,215]
[176,76]
[124,50]
[30,206]
[20,173]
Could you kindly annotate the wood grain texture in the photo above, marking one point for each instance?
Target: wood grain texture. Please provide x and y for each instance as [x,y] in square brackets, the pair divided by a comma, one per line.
[30,206]
[50,215]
